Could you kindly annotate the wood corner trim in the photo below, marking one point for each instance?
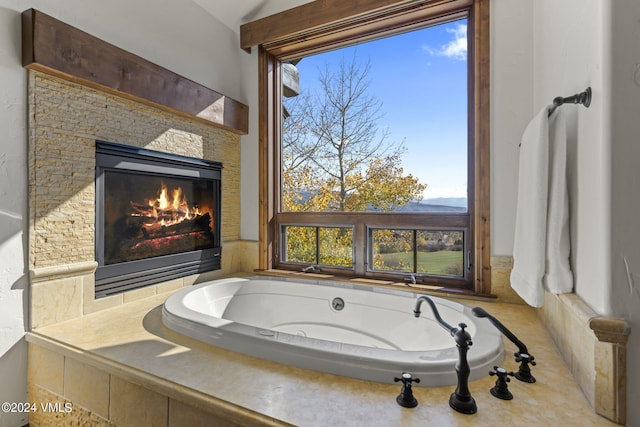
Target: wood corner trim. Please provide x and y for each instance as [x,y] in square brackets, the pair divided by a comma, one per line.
[56,48]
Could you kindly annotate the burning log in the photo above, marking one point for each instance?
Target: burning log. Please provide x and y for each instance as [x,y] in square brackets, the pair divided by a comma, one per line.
[139,239]
[177,243]
[199,223]
[153,213]
[137,228]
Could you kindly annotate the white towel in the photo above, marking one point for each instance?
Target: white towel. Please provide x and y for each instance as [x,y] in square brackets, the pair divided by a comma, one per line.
[542,242]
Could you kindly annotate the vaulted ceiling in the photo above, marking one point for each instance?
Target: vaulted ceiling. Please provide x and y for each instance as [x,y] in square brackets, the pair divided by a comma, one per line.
[234,13]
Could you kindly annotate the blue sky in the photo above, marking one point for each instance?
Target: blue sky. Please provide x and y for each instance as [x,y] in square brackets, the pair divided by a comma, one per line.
[420,77]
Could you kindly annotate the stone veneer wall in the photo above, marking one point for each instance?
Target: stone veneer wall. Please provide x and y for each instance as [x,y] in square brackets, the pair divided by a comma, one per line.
[65,119]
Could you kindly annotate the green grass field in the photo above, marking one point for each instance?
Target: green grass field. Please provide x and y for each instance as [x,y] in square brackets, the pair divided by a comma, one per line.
[446,263]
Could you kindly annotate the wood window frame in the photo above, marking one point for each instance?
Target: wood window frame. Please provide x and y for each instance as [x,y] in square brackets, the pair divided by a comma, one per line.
[317,26]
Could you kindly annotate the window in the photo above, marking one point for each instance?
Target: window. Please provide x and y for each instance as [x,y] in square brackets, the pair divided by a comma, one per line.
[424,251]
[351,198]
[310,245]
[378,126]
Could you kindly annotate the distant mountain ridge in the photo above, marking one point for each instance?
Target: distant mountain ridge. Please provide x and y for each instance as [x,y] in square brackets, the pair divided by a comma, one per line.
[460,202]
[439,204]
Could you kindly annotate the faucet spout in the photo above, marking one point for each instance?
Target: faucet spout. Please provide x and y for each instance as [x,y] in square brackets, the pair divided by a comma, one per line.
[461,399]
[436,313]
[311,269]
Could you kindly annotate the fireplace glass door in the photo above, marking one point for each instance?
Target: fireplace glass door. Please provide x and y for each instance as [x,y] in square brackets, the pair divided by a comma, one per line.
[149,215]
[157,217]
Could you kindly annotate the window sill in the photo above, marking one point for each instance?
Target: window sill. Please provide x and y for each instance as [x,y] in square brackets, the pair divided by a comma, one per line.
[442,291]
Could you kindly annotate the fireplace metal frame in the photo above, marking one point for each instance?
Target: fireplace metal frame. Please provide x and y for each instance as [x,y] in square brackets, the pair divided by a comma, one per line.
[117,278]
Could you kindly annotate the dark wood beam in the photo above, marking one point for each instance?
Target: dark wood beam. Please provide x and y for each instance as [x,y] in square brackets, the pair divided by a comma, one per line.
[56,48]
[320,23]
[304,17]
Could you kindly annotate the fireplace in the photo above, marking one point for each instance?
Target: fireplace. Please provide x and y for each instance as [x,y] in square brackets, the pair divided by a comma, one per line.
[157,217]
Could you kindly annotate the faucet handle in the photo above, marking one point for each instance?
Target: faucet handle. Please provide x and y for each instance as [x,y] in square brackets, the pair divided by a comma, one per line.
[525,358]
[406,398]
[461,336]
[501,390]
[524,371]
[501,373]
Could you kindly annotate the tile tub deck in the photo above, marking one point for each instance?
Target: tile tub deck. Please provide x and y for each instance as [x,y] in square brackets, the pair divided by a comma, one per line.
[121,365]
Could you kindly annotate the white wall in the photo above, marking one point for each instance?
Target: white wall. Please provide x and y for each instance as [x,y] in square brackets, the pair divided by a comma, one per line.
[249,179]
[623,75]
[249,149]
[541,50]
[512,107]
[13,219]
[568,57]
[177,35]
[596,43]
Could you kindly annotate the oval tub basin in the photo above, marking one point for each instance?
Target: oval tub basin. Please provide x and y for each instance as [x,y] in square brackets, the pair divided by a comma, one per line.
[346,329]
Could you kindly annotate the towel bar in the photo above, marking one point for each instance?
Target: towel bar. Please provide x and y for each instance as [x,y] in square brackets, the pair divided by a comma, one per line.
[583,98]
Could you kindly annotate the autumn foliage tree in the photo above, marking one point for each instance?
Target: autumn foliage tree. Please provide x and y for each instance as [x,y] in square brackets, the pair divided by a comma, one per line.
[335,157]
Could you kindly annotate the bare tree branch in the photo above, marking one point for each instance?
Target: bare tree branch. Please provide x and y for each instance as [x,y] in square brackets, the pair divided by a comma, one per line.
[335,136]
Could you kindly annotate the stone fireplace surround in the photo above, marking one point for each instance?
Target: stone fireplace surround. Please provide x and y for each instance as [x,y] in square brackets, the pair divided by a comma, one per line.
[65,120]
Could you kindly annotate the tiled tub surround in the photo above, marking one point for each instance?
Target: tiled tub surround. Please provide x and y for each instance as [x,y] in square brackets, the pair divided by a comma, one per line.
[594,349]
[592,346]
[121,366]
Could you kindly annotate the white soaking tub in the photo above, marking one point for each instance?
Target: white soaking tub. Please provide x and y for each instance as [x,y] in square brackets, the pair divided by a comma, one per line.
[346,329]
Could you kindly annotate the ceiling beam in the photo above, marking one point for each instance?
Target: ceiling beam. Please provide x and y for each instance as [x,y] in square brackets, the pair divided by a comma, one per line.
[56,48]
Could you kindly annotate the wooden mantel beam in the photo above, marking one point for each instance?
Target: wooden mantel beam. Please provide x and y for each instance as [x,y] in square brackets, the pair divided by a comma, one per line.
[56,48]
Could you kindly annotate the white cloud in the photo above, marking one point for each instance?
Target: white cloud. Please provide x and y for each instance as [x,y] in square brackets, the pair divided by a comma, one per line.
[457,48]
[454,49]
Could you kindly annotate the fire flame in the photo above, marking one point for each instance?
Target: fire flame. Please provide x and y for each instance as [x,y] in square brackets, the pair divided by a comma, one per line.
[167,209]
